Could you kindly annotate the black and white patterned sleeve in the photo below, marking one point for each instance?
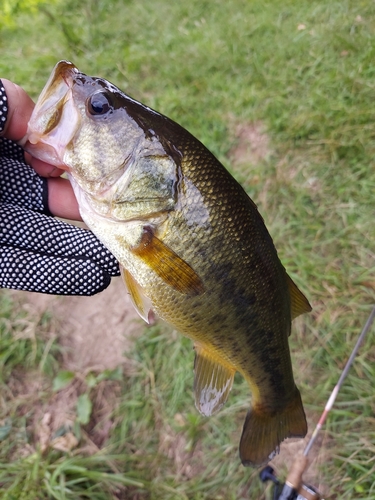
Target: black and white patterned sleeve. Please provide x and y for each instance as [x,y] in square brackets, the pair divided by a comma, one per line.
[37,252]
[3,107]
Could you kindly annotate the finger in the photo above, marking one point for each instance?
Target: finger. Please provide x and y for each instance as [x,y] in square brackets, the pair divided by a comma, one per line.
[61,199]
[20,107]
[42,168]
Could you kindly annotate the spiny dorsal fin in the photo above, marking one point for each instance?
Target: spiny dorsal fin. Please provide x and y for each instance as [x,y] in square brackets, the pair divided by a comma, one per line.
[167,264]
[141,303]
[213,381]
[299,303]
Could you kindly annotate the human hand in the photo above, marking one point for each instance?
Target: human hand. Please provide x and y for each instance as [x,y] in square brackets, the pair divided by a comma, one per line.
[61,199]
[38,252]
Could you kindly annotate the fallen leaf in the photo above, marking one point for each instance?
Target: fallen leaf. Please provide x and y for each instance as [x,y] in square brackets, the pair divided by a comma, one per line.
[368,284]
[65,443]
[44,432]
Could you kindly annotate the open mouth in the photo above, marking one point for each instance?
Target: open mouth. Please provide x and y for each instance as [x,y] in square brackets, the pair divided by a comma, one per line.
[55,119]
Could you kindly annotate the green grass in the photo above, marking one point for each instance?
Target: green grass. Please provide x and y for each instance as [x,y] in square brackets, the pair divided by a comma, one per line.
[304,69]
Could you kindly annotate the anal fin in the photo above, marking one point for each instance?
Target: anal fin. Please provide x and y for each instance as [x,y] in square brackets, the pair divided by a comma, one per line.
[213,381]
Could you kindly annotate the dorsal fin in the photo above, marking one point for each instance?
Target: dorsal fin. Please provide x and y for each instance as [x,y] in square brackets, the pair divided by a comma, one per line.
[213,381]
[298,302]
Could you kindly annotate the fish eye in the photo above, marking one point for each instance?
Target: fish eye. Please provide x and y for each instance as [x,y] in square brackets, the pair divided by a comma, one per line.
[99,104]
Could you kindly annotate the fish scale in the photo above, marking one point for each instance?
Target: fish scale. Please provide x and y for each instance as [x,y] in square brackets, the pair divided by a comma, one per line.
[191,244]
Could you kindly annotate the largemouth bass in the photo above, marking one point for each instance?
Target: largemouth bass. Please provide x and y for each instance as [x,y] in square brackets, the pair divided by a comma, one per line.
[191,244]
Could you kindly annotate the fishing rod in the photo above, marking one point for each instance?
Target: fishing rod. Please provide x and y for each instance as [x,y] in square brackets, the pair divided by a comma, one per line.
[294,488]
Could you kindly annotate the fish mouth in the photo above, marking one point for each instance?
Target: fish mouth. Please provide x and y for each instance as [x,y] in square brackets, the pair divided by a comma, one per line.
[55,119]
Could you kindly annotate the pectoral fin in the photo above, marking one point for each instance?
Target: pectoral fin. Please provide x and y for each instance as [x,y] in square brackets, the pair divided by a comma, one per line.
[212,382]
[299,303]
[167,264]
[141,303]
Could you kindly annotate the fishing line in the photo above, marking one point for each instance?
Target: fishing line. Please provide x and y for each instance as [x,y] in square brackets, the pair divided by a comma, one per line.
[294,487]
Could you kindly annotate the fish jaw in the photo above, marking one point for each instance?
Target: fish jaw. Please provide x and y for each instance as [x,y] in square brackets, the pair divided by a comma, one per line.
[55,119]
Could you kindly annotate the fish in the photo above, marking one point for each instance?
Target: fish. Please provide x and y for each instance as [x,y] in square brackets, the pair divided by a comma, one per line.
[191,245]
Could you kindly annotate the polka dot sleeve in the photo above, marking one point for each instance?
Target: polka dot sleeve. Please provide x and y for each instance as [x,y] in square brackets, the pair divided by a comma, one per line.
[42,254]
[3,107]
[19,183]
[37,252]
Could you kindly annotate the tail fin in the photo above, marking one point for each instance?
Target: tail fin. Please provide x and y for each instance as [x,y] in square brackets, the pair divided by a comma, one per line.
[263,432]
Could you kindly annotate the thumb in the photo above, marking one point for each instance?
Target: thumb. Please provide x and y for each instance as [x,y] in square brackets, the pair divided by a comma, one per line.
[20,107]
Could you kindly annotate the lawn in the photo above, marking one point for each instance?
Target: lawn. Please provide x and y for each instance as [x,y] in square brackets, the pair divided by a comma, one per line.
[282,93]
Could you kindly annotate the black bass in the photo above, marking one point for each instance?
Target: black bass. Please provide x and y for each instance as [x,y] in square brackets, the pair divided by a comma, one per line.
[191,244]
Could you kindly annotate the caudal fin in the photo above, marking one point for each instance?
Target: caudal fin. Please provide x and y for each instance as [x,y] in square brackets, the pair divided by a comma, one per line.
[263,432]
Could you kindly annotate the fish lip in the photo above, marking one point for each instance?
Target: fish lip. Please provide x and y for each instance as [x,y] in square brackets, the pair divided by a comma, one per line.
[63,71]
[46,153]
[64,68]
[45,139]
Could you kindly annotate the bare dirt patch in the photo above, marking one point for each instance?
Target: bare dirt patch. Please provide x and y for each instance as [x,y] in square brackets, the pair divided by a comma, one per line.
[95,332]
[252,144]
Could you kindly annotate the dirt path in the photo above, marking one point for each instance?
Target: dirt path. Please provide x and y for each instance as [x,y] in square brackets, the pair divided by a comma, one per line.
[95,332]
